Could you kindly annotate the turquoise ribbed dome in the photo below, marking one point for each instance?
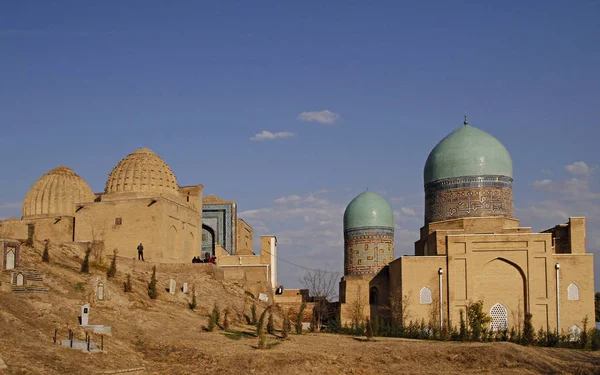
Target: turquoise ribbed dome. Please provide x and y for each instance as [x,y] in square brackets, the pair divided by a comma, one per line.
[467,151]
[368,210]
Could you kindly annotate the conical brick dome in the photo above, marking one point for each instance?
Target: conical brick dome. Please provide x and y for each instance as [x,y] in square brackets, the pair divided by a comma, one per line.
[55,194]
[142,171]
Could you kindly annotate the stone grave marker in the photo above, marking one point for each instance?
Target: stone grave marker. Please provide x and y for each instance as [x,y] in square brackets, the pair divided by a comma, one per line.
[172,286]
[185,287]
[85,312]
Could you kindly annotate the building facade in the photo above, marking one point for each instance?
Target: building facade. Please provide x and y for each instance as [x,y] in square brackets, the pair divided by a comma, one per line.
[472,248]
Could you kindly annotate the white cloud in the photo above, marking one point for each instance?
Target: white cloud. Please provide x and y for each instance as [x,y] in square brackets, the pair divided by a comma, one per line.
[268,136]
[309,230]
[408,211]
[322,117]
[10,205]
[288,199]
[578,168]
[542,184]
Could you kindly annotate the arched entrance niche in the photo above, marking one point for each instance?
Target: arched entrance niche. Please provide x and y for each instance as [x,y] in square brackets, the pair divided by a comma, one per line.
[173,237]
[501,280]
[10,260]
[208,241]
[20,279]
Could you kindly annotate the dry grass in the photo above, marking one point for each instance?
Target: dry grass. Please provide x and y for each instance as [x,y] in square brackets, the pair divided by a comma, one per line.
[164,337]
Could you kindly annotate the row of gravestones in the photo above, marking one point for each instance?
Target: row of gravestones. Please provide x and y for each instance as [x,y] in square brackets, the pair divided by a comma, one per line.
[173,287]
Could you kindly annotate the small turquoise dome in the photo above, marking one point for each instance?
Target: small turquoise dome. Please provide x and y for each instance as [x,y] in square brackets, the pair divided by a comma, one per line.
[368,210]
[467,151]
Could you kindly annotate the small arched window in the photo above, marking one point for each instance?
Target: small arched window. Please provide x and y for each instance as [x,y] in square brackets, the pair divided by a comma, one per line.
[574,332]
[20,279]
[573,292]
[498,318]
[373,296]
[425,296]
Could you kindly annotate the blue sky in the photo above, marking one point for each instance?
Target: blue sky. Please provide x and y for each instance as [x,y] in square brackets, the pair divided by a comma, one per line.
[83,84]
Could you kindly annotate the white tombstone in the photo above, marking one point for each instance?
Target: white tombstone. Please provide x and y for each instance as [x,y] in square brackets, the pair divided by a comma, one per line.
[20,280]
[10,260]
[100,292]
[185,287]
[263,297]
[172,286]
[85,313]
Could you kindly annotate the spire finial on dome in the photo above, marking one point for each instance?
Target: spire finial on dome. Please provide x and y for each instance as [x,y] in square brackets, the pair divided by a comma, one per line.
[466,122]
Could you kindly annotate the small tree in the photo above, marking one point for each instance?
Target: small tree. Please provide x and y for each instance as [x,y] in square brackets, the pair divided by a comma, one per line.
[112,270]
[214,318]
[369,330]
[30,234]
[152,290]
[321,285]
[583,336]
[528,332]
[299,318]
[85,265]
[463,327]
[253,312]
[270,325]
[128,284]
[287,326]
[477,319]
[226,320]
[260,330]
[192,305]
[46,254]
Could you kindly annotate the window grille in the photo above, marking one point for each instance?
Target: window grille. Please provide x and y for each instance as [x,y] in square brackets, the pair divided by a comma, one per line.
[425,296]
[118,221]
[573,292]
[574,332]
[499,318]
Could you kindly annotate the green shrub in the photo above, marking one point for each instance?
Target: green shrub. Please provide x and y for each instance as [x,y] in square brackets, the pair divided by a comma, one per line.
[253,314]
[46,254]
[528,332]
[112,270]
[85,265]
[369,330]
[192,305]
[152,290]
[299,318]
[127,286]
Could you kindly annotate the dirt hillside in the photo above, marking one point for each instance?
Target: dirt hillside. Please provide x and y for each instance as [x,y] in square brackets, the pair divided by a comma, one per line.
[164,336]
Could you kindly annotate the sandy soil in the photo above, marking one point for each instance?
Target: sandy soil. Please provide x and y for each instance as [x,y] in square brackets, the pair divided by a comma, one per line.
[165,337]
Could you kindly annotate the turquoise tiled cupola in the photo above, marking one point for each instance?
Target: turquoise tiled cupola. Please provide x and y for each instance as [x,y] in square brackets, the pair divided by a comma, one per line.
[368,210]
[467,151]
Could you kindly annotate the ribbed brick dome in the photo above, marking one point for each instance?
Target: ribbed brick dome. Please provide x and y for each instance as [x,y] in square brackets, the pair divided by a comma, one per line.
[56,193]
[142,171]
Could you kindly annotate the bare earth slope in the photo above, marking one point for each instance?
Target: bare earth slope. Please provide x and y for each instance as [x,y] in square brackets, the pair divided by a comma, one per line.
[165,337]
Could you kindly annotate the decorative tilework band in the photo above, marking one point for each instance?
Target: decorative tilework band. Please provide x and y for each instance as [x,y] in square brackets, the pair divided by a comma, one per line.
[367,250]
[476,196]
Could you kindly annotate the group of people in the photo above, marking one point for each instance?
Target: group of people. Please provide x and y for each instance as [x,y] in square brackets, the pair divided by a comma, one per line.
[207,259]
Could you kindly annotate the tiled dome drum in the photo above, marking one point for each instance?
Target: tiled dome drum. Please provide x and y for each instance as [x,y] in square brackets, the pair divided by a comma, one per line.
[55,194]
[368,234]
[142,171]
[468,174]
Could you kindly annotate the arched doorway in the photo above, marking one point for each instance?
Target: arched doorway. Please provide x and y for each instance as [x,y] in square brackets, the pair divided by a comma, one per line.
[174,252]
[501,280]
[10,260]
[373,296]
[208,241]
[20,280]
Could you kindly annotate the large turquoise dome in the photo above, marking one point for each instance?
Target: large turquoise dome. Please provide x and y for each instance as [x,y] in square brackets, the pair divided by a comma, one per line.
[467,151]
[368,210]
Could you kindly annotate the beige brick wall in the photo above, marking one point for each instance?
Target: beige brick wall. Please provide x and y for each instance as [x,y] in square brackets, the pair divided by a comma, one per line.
[169,231]
[245,235]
